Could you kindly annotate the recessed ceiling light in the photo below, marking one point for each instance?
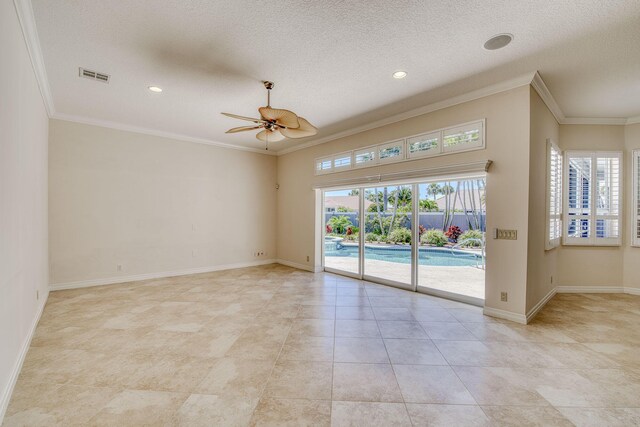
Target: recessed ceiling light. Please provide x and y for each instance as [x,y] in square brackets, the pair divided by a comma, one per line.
[399,74]
[155,89]
[498,41]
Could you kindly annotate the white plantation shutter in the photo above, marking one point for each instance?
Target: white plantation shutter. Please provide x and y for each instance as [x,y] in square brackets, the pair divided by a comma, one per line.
[554,195]
[593,198]
[636,199]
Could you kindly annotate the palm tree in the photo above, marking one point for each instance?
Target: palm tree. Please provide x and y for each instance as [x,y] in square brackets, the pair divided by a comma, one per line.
[435,189]
[403,194]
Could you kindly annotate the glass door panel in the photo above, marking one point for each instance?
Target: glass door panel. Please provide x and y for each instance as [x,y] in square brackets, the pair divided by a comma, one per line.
[387,233]
[342,230]
[452,225]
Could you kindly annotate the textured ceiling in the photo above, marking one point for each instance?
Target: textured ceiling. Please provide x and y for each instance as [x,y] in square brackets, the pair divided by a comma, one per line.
[331,60]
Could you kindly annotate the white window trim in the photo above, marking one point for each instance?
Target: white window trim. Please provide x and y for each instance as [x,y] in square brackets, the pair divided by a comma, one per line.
[437,151]
[558,188]
[635,226]
[405,156]
[321,160]
[335,168]
[397,143]
[464,147]
[593,240]
[374,161]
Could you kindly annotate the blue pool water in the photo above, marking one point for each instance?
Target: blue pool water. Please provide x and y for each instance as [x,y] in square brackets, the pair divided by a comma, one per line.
[426,256]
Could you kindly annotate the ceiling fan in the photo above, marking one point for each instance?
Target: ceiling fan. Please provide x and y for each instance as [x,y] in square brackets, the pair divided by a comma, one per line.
[276,124]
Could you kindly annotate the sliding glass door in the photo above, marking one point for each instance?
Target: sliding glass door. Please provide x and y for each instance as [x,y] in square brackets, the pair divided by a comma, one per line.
[341,212]
[452,224]
[427,236]
[388,234]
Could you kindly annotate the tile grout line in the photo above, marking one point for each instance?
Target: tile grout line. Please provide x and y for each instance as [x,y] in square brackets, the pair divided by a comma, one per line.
[333,353]
[276,359]
[406,409]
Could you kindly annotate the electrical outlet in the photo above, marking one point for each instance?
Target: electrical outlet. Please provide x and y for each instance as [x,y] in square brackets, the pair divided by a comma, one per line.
[506,234]
[503,296]
[37,294]
[307,258]
[119,267]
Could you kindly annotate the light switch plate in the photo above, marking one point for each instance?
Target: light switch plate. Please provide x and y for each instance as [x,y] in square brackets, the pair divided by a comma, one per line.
[506,234]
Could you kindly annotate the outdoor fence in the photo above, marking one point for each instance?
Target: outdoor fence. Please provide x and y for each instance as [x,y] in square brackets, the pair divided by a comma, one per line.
[427,219]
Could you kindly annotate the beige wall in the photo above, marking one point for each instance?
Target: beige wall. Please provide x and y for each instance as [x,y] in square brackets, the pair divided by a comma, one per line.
[592,266]
[542,264]
[631,268]
[23,200]
[507,136]
[153,205]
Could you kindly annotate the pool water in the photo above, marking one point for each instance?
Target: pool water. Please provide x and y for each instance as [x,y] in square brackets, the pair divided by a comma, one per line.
[426,256]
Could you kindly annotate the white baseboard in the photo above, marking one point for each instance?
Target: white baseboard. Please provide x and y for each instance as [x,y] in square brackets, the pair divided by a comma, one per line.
[299,266]
[590,290]
[17,367]
[507,315]
[534,311]
[147,276]
[579,290]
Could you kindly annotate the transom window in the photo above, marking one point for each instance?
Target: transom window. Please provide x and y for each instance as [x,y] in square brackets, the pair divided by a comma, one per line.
[465,137]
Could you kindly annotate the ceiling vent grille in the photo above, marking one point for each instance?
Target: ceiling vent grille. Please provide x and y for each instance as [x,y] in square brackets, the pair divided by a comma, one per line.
[94,75]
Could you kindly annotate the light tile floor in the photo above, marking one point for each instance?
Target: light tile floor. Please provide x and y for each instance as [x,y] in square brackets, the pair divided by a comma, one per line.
[277,346]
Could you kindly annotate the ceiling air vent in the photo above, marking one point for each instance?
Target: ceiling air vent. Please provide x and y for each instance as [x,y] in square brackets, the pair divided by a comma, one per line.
[94,75]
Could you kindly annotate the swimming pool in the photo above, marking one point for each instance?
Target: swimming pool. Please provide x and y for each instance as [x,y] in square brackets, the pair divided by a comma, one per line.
[402,255]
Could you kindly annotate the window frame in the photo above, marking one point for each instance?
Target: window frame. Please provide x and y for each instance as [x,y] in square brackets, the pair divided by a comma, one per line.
[392,159]
[555,189]
[320,161]
[436,151]
[368,163]
[463,147]
[593,216]
[342,155]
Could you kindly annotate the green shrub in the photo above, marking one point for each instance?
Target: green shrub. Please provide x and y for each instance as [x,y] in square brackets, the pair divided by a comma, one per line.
[434,237]
[352,237]
[400,235]
[471,234]
[371,237]
[428,206]
[339,224]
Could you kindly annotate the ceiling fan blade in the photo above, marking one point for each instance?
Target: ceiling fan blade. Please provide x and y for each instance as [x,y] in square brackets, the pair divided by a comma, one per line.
[274,135]
[242,129]
[282,117]
[305,129]
[250,119]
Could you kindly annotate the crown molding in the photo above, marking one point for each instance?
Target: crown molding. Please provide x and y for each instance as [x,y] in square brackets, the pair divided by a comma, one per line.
[24,10]
[539,85]
[153,132]
[633,120]
[522,80]
[594,121]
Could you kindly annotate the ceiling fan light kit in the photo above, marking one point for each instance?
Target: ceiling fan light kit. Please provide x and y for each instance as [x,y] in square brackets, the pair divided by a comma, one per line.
[276,124]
